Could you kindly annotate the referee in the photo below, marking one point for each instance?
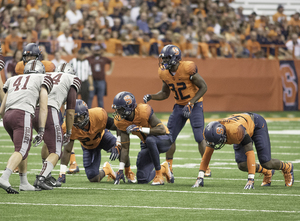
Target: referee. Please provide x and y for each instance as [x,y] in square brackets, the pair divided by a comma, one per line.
[83,71]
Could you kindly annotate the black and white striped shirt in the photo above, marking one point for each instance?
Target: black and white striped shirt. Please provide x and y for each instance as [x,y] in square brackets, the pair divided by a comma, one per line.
[82,68]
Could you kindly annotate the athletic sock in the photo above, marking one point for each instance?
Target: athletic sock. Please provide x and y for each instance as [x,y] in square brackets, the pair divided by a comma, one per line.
[23,179]
[72,158]
[6,174]
[170,161]
[47,168]
[260,169]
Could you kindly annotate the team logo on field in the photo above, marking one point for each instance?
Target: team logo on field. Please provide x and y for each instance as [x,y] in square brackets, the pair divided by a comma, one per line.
[176,51]
[220,130]
[128,99]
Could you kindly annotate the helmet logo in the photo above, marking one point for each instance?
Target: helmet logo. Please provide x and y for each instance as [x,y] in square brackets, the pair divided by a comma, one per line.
[219,131]
[176,51]
[128,99]
[84,104]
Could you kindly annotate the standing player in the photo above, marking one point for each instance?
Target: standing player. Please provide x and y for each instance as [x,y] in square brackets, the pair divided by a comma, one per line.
[32,52]
[155,138]
[242,130]
[65,88]
[90,128]
[22,95]
[188,87]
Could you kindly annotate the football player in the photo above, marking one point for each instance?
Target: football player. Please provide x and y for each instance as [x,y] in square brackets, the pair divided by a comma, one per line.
[140,120]
[182,78]
[22,93]
[91,129]
[32,52]
[242,130]
[2,64]
[65,88]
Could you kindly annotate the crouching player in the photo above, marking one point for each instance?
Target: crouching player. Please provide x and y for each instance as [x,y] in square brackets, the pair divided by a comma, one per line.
[141,121]
[242,130]
[90,128]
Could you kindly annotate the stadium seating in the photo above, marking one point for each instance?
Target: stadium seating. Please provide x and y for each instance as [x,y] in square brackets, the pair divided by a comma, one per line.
[267,7]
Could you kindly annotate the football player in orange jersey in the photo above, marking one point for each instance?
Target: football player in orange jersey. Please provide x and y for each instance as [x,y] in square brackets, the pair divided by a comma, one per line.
[242,130]
[30,52]
[91,129]
[140,120]
[182,78]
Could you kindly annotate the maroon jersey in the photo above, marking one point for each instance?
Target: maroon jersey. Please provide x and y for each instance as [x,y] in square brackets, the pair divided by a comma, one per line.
[98,66]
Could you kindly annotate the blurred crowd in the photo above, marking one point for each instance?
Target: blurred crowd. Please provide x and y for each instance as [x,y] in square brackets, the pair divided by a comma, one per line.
[200,28]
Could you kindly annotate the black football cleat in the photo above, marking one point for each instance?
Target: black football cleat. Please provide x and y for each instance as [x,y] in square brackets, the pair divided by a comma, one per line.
[51,181]
[40,183]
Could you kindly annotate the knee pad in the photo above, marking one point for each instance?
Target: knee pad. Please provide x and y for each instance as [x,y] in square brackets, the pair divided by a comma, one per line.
[91,174]
[267,165]
[242,166]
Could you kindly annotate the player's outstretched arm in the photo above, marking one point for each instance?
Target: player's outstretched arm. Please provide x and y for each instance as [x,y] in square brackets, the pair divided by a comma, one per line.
[125,142]
[163,94]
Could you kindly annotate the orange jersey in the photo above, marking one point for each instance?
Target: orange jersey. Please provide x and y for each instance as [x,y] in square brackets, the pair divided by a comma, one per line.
[143,113]
[236,125]
[90,139]
[49,67]
[181,85]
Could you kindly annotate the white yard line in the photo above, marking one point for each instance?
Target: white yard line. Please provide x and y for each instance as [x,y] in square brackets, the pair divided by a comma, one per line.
[151,207]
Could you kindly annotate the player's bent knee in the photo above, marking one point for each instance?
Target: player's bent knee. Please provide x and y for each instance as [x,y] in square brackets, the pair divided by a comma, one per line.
[243,166]
[91,175]
[142,177]
[95,179]
[267,165]
[150,141]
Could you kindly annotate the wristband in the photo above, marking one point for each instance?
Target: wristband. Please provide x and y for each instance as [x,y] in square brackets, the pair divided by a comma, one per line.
[251,176]
[145,130]
[119,139]
[69,132]
[42,129]
[121,166]
[192,105]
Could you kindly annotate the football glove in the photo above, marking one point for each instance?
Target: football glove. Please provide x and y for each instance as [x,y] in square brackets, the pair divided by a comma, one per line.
[133,128]
[39,137]
[66,138]
[187,110]
[147,98]
[199,182]
[120,176]
[249,184]
[115,151]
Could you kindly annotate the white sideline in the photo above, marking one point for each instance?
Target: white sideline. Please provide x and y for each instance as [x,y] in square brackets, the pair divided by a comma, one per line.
[150,207]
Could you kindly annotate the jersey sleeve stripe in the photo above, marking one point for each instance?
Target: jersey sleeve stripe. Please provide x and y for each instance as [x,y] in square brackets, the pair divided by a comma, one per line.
[77,84]
[48,82]
[2,62]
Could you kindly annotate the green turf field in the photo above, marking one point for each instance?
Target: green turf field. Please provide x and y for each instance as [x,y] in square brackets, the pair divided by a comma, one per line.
[221,198]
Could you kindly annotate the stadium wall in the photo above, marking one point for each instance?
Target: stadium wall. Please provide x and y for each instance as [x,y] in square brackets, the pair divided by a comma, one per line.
[233,84]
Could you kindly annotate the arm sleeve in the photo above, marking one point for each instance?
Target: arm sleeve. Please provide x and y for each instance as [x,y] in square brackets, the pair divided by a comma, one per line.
[110,122]
[71,98]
